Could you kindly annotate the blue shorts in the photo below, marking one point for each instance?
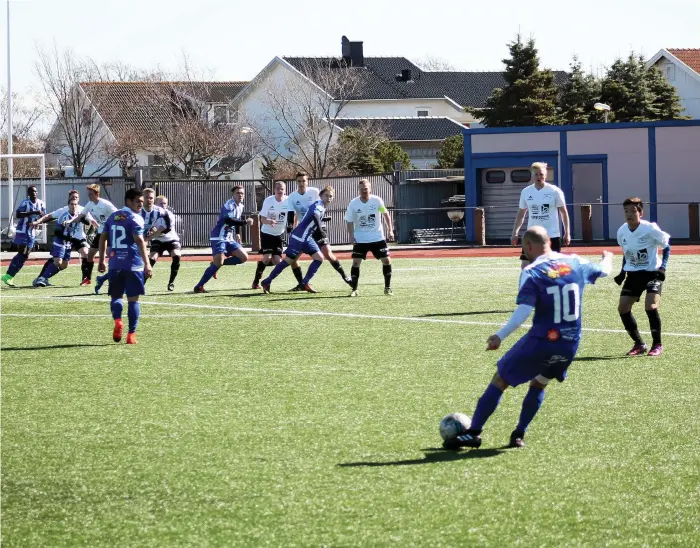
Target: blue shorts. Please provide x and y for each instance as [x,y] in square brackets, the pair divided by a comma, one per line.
[296,248]
[223,246]
[21,239]
[530,357]
[61,250]
[126,281]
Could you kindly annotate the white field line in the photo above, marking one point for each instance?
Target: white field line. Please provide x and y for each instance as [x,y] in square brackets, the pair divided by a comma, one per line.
[339,315]
[156,316]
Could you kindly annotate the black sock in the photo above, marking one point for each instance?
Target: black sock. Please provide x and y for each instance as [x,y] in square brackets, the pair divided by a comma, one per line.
[631,326]
[174,267]
[46,265]
[386,270]
[153,262]
[338,268]
[655,325]
[298,275]
[84,268]
[355,275]
[88,269]
[259,271]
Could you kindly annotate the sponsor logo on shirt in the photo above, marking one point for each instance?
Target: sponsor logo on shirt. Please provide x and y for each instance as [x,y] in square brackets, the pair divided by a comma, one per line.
[552,335]
[558,270]
[120,217]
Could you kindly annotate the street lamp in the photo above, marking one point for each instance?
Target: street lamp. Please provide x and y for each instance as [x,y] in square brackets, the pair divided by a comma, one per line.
[245,130]
[605,108]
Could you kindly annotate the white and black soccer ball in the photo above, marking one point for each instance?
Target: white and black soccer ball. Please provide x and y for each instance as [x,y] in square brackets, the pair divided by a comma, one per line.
[453,425]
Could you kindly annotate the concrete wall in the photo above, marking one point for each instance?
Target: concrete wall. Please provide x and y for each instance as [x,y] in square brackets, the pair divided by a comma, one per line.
[515,142]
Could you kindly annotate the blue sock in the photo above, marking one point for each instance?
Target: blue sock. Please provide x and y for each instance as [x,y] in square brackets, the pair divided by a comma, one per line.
[16,264]
[208,273]
[313,268]
[486,406]
[232,260]
[50,270]
[276,271]
[531,405]
[134,313]
[117,306]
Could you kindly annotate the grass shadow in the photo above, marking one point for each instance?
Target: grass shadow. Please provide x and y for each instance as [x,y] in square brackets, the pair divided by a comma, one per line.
[51,347]
[432,455]
[596,358]
[475,313]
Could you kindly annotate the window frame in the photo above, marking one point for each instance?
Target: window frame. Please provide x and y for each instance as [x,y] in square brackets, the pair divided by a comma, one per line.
[489,171]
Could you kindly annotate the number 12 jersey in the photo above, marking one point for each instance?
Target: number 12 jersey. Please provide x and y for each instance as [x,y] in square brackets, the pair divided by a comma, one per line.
[121,227]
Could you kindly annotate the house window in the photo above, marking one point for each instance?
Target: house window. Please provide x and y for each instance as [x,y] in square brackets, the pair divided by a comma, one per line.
[670,72]
[423,112]
[520,176]
[496,176]
[220,114]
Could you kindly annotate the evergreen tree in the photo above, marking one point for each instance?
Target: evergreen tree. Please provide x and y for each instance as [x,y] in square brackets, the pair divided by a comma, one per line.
[667,105]
[626,89]
[578,96]
[388,153]
[451,153]
[529,97]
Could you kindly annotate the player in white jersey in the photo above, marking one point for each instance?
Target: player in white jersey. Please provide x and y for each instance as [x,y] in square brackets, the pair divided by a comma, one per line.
[299,202]
[165,238]
[364,218]
[642,270]
[544,203]
[273,224]
[100,209]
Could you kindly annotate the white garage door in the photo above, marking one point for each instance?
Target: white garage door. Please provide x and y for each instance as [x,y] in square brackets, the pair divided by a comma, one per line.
[500,196]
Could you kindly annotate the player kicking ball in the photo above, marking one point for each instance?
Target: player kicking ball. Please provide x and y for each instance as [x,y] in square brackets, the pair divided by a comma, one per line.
[551,287]
[128,262]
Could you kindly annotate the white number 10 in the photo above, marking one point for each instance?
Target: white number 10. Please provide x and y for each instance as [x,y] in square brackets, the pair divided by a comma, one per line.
[562,294]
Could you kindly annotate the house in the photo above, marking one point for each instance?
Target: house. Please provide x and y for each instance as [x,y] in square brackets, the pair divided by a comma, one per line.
[384,88]
[681,67]
[109,116]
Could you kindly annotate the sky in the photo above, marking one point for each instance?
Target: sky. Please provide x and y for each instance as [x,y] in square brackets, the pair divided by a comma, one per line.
[234,40]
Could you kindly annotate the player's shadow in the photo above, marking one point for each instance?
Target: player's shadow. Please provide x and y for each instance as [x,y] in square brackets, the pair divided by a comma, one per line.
[596,358]
[474,313]
[303,297]
[50,347]
[432,455]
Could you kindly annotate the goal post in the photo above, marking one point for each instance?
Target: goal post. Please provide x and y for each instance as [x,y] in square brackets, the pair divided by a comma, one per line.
[10,187]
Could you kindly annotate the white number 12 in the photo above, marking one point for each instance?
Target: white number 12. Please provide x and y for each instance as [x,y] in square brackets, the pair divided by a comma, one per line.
[118,237]
[562,294]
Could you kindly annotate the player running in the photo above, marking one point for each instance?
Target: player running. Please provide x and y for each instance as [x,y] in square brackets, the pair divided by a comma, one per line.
[273,217]
[642,270]
[68,235]
[166,239]
[100,209]
[365,217]
[299,202]
[301,241]
[29,209]
[551,286]
[226,248]
[544,203]
[128,262]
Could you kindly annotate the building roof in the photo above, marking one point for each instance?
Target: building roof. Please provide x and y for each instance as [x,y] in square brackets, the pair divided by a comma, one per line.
[428,128]
[689,56]
[378,80]
[129,107]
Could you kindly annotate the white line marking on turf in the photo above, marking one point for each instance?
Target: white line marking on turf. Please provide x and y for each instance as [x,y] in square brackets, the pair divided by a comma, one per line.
[178,316]
[339,314]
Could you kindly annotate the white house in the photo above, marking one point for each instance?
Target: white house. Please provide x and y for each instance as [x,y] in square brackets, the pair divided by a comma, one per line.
[681,67]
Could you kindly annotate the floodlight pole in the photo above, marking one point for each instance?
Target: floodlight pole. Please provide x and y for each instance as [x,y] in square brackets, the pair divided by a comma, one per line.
[10,162]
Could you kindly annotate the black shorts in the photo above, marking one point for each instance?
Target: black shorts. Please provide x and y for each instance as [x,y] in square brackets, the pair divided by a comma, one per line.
[640,281]
[77,245]
[556,246]
[95,242]
[378,249]
[161,247]
[320,237]
[271,244]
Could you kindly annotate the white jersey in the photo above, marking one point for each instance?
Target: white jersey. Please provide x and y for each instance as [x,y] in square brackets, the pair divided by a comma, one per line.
[367,218]
[640,247]
[170,223]
[100,211]
[300,203]
[76,230]
[277,211]
[542,207]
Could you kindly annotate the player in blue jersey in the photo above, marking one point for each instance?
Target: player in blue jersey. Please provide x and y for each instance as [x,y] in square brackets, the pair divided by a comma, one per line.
[551,286]
[128,262]
[29,210]
[301,240]
[225,238]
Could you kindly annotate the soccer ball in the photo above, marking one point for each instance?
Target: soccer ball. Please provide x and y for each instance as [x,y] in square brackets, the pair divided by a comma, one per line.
[453,425]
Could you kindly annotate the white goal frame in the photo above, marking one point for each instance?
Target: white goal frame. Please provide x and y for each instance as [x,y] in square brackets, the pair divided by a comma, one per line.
[10,196]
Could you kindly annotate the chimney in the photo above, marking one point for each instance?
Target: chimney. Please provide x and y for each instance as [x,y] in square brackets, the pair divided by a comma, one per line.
[352,52]
[345,48]
[405,76]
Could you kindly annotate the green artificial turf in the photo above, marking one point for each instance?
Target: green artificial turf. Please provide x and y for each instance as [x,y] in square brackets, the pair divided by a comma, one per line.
[243,419]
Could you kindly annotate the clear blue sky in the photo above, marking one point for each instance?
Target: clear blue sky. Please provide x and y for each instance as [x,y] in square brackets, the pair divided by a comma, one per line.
[236,39]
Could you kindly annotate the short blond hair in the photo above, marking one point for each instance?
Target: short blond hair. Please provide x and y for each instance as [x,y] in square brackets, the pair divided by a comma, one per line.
[94,187]
[149,191]
[161,197]
[539,165]
[326,189]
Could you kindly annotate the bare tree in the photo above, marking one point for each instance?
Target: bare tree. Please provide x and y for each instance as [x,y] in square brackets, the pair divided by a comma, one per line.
[26,133]
[435,64]
[298,124]
[79,137]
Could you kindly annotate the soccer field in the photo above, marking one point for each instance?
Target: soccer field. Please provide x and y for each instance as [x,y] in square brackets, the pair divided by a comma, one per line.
[243,419]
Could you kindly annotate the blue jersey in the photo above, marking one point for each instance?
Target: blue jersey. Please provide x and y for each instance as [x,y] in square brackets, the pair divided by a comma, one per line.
[553,284]
[229,216]
[66,230]
[121,227]
[150,217]
[24,206]
[312,220]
